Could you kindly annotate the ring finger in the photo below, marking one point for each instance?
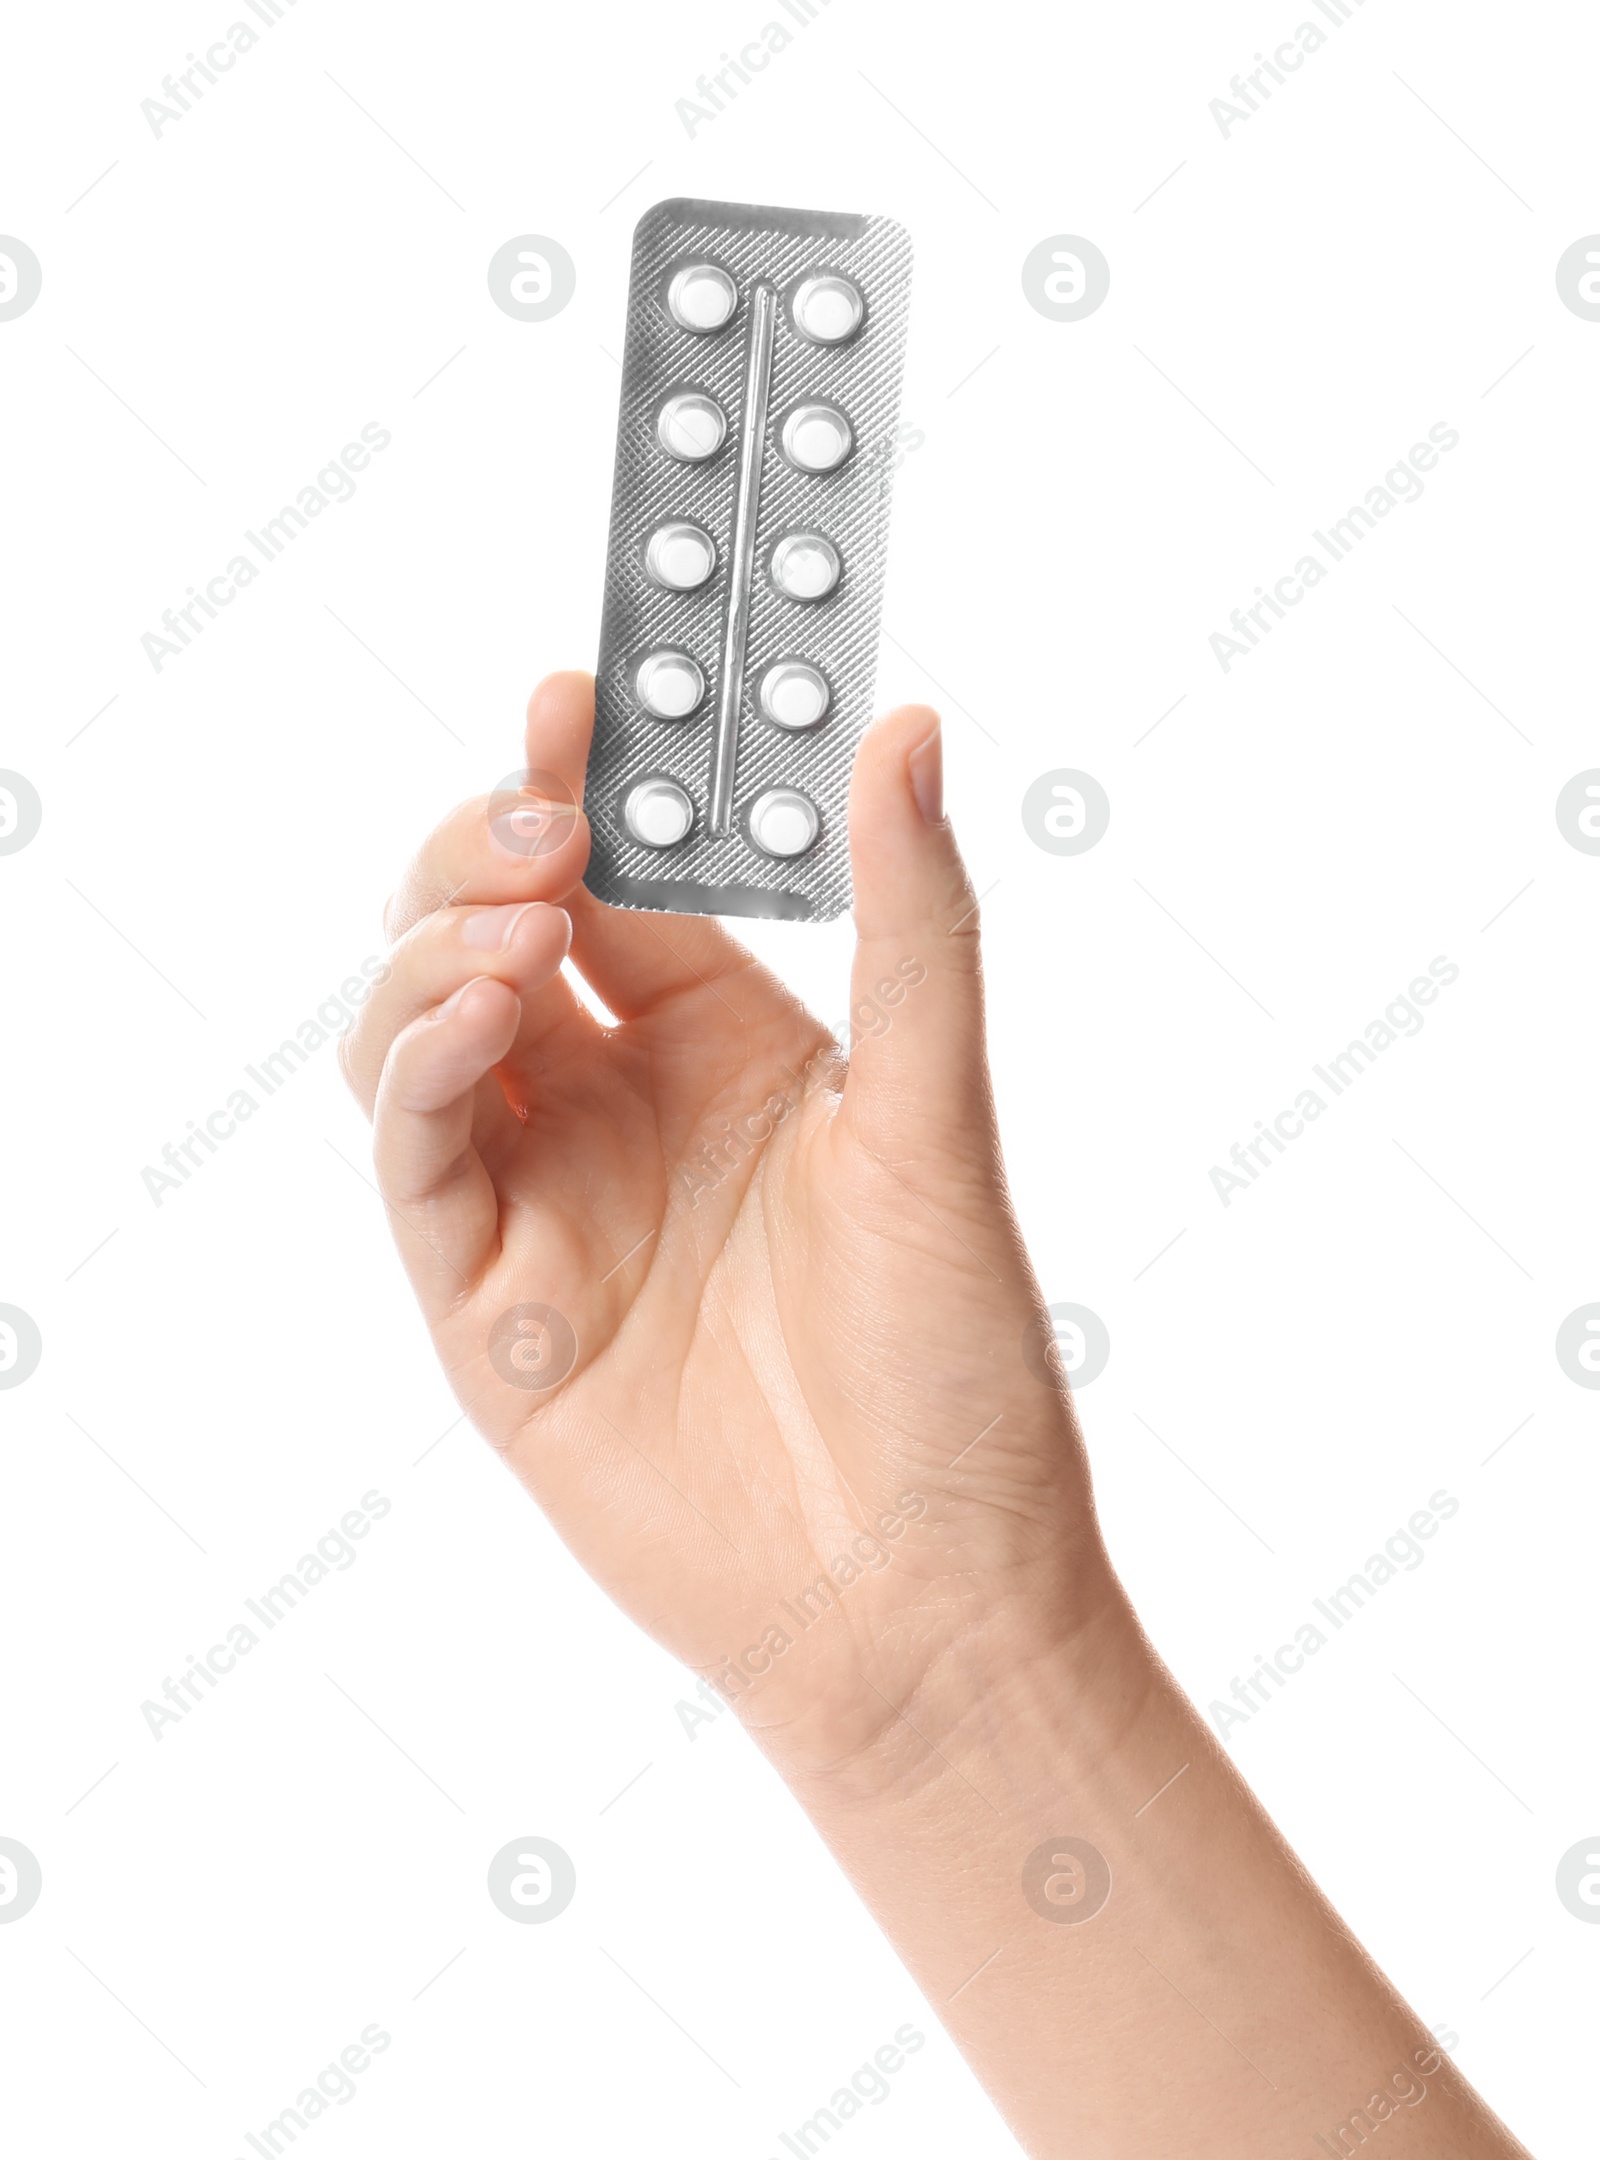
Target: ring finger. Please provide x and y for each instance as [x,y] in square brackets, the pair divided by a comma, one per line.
[521,944]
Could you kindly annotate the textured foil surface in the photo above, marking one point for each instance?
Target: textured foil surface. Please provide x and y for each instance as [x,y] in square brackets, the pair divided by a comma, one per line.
[839,635]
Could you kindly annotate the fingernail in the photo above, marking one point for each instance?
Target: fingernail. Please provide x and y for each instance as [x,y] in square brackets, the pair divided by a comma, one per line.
[926,768]
[444,1011]
[491,929]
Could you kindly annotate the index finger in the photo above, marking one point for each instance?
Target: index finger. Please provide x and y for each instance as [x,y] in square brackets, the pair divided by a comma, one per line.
[527,841]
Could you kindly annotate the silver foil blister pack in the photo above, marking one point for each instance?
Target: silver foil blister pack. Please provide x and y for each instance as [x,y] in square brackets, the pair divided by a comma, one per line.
[744,571]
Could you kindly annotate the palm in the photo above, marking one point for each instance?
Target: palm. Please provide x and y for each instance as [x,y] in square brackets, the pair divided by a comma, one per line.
[738,1288]
[737,1319]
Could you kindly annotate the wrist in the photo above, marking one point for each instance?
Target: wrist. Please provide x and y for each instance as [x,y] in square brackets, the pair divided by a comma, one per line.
[1043,1771]
[1011,1693]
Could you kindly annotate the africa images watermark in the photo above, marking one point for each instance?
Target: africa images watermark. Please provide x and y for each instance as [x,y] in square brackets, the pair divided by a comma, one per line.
[1402,1550]
[1287,60]
[1402,483]
[869,1016]
[1400,1017]
[869,1554]
[715,91]
[183,89]
[335,1550]
[1406,2086]
[335,2087]
[333,1016]
[334,484]
[869,2086]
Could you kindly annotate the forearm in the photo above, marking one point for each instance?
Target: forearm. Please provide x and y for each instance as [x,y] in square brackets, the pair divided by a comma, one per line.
[732,1385]
[1213,2005]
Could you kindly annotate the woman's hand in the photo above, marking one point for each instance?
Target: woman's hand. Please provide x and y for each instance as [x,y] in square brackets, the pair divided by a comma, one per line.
[757,1330]
[748,1319]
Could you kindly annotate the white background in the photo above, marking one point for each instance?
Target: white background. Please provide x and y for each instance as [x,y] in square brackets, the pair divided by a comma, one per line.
[1290,846]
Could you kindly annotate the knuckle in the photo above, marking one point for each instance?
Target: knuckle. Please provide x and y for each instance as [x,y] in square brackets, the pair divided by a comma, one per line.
[966,919]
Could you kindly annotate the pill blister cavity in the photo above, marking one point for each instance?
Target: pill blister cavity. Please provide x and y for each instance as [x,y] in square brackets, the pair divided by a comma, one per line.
[827,308]
[792,695]
[657,812]
[805,566]
[691,426]
[783,822]
[816,438]
[701,297]
[669,685]
[680,555]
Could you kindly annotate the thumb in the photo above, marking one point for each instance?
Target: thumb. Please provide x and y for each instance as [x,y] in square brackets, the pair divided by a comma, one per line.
[918,1071]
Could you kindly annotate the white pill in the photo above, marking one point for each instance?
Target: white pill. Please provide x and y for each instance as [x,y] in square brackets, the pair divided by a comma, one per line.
[805,566]
[691,426]
[827,308]
[783,822]
[701,297]
[669,684]
[816,438]
[679,555]
[657,812]
[792,695]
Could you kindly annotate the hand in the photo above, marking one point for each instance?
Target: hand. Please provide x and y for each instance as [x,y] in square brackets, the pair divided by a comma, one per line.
[780,1409]
[750,1324]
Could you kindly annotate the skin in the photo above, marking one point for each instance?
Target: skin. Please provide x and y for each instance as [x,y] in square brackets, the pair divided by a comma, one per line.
[799,1342]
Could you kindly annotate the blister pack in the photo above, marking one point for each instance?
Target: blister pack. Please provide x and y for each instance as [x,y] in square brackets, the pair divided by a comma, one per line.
[744,573]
